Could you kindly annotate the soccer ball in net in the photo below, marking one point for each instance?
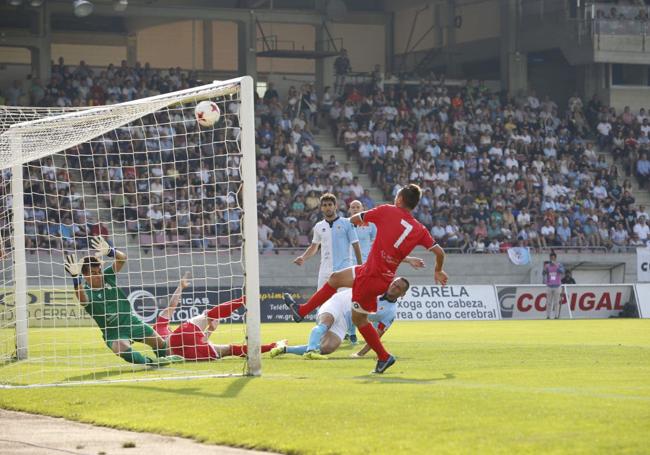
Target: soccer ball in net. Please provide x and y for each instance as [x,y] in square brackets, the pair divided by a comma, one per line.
[207,113]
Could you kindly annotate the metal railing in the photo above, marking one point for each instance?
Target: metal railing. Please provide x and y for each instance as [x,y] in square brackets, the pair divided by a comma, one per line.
[457,250]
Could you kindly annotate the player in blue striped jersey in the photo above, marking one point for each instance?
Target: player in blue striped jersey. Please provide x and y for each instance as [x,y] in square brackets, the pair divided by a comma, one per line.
[333,317]
[366,232]
[336,237]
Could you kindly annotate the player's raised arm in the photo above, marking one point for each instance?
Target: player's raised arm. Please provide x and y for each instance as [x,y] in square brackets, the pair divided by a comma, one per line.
[176,296]
[73,267]
[440,276]
[104,249]
[414,262]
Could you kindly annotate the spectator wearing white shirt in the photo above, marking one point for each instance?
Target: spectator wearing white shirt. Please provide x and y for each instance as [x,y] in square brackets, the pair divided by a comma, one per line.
[356,187]
[494,247]
[619,238]
[264,236]
[604,128]
[548,233]
[641,229]
[599,191]
[523,218]
[438,231]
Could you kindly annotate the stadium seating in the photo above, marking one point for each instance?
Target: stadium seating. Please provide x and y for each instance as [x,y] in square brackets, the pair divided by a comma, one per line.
[477,155]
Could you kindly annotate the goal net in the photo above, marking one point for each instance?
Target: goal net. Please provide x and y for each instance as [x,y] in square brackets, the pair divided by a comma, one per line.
[166,198]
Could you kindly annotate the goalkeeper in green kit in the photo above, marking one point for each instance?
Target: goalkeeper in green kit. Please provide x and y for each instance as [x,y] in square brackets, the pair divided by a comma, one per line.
[107,304]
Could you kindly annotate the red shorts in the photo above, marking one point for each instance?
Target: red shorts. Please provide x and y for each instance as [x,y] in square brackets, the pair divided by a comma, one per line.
[162,327]
[190,342]
[367,287]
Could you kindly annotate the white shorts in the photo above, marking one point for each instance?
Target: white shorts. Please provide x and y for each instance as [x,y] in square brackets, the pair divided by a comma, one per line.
[323,276]
[339,304]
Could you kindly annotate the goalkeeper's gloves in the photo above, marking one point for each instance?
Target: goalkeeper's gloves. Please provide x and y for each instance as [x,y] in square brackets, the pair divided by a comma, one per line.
[102,247]
[73,267]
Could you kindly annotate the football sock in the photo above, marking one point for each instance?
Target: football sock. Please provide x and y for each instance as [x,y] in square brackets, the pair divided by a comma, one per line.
[317,299]
[297,350]
[225,309]
[162,351]
[315,336]
[135,357]
[352,330]
[372,338]
[240,350]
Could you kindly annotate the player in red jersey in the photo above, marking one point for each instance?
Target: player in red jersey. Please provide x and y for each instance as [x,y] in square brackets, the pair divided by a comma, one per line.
[191,339]
[397,234]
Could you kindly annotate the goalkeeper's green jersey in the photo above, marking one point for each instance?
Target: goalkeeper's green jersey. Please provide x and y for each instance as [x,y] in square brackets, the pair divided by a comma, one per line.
[109,306]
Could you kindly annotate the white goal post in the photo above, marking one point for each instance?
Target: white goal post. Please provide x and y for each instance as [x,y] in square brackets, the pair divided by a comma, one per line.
[211,234]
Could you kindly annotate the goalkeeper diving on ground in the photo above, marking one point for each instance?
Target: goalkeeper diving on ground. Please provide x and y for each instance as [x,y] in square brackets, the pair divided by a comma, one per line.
[108,305]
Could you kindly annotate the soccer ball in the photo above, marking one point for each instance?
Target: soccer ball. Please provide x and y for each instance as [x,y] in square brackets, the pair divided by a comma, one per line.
[207,113]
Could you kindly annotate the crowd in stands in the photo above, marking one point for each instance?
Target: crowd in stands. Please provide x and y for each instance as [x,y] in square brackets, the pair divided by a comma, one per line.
[496,172]
[500,172]
[635,10]
[166,180]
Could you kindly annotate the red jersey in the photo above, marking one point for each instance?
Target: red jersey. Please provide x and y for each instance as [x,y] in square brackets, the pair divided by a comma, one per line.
[397,234]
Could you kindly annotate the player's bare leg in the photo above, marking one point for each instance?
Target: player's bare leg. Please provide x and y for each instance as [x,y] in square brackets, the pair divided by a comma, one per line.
[208,325]
[341,279]
[329,343]
[384,359]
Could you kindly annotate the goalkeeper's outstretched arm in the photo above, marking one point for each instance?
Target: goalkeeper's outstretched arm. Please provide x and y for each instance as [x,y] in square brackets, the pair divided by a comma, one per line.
[105,249]
[73,267]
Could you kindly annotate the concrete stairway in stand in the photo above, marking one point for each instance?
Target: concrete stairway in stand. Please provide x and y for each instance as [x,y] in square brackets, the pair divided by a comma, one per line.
[327,148]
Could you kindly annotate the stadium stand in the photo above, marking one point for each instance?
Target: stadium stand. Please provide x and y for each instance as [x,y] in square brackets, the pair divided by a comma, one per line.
[501,172]
[496,172]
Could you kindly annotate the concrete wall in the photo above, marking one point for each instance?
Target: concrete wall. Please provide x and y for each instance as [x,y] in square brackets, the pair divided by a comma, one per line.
[404,23]
[466,269]
[635,97]
[171,45]
[303,37]
[278,270]
[15,55]
[479,21]
[225,45]
[93,55]
[365,44]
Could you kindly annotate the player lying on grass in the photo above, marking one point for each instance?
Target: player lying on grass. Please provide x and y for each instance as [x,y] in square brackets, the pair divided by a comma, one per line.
[107,304]
[333,317]
[190,340]
[398,232]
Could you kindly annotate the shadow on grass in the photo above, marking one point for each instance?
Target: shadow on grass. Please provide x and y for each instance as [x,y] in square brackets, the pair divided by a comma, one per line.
[99,375]
[378,378]
[231,391]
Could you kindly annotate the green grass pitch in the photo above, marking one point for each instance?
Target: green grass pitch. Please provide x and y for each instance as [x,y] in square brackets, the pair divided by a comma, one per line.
[458,387]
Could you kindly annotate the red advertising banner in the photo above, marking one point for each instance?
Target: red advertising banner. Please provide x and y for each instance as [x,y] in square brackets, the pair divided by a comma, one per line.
[576,301]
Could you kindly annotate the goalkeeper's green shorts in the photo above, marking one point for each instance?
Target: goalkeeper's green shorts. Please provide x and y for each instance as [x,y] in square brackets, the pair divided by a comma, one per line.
[132,330]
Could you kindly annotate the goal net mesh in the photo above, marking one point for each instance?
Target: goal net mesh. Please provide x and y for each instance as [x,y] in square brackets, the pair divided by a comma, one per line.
[158,187]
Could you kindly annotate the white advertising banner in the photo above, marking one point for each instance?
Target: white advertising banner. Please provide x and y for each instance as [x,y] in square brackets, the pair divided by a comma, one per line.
[448,303]
[643,293]
[585,301]
[643,264]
